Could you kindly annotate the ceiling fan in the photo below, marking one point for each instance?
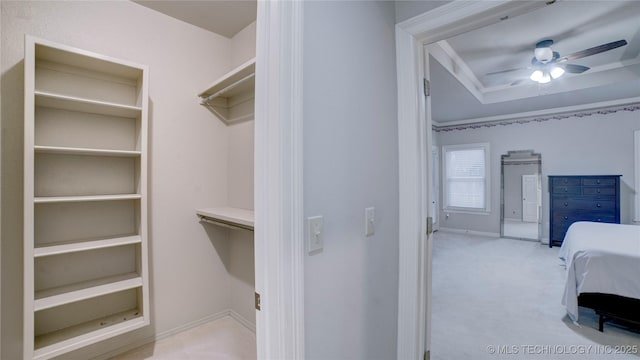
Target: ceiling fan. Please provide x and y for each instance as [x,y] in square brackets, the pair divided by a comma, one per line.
[547,64]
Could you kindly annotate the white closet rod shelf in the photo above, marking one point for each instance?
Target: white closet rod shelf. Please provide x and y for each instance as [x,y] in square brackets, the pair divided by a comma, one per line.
[227,217]
[227,88]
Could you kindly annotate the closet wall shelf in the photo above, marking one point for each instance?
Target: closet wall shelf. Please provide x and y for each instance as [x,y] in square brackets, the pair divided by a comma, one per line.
[49,298]
[60,199]
[231,98]
[58,249]
[84,151]
[73,103]
[62,341]
[227,217]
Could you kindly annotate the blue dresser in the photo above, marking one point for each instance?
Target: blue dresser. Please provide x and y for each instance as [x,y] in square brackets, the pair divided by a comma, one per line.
[582,198]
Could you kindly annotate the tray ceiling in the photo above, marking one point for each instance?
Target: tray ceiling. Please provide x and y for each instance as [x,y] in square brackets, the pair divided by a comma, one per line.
[572,25]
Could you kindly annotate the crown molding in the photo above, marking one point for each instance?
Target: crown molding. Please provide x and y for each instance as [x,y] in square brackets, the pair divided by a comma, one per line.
[601,108]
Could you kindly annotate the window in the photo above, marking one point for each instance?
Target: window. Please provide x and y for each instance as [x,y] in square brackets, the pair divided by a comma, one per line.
[466,177]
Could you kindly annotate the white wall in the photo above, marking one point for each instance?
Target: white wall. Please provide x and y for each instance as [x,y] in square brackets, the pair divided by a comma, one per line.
[590,145]
[243,45]
[187,150]
[240,193]
[350,163]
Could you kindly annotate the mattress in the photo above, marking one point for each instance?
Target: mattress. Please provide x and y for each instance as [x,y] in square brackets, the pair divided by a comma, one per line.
[600,258]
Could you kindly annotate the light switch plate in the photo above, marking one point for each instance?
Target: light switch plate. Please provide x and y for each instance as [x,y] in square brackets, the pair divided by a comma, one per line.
[315,242]
[369,221]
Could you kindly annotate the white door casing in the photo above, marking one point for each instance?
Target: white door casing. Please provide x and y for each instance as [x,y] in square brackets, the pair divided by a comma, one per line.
[279,225]
[414,165]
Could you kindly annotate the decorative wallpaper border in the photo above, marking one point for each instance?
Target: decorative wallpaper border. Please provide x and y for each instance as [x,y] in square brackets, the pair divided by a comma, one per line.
[542,118]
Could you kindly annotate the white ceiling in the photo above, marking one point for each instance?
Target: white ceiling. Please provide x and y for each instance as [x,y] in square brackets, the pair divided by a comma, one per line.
[224,17]
[509,44]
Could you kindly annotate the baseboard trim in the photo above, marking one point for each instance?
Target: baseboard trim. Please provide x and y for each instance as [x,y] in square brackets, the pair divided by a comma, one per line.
[469,232]
[243,321]
[176,330]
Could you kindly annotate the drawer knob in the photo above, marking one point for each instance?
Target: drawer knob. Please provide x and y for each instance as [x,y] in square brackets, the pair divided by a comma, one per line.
[599,220]
[597,181]
[598,191]
[566,218]
[598,205]
[566,204]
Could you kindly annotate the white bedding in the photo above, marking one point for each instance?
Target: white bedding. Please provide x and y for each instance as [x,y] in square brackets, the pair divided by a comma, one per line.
[600,257]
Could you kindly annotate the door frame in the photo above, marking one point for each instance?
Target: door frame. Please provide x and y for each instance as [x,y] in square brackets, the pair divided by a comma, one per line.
[279,224]
[414,132]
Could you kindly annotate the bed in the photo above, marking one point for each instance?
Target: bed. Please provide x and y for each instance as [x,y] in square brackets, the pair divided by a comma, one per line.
[602,270]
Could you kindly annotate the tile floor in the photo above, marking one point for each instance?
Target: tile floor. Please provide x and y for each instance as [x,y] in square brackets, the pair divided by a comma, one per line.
[222,339]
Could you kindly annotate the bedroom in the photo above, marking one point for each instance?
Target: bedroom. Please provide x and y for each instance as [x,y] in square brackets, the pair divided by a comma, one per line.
[594,138]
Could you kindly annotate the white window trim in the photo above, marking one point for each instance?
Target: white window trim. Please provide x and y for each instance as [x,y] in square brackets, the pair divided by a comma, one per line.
[636,216]
[487,185]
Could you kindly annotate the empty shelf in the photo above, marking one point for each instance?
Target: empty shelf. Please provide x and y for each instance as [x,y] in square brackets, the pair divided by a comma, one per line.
[57,249]
[227,216]
[84,151]
[72,103]
[74,337]
[59,199]
[48,298]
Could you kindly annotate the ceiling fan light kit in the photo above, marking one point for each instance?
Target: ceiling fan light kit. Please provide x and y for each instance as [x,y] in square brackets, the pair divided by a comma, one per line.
[548,65]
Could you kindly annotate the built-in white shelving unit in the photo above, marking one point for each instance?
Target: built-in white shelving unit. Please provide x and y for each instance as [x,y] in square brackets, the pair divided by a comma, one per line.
[85,198]
[228,217]
[231,98]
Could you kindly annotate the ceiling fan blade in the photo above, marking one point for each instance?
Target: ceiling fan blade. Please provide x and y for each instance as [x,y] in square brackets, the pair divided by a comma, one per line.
[518,82]
[575,69]
[594,50]
[505,71]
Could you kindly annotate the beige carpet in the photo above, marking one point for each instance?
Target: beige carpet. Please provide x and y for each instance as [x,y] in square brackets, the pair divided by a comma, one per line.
[500,299]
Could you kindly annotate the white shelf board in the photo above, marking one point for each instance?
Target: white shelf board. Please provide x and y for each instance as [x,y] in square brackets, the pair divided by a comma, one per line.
[58,101]
[48,298]
[74,337]
[58,53]
[60,199]
[57,249]
[231,98]
[230,78]
[85,151]
[229,215]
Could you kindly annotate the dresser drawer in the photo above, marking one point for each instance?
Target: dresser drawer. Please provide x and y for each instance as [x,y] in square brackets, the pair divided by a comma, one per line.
[565,181]
[599,190]
[583,204]
[574,190]
[599,181]
[562,217]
